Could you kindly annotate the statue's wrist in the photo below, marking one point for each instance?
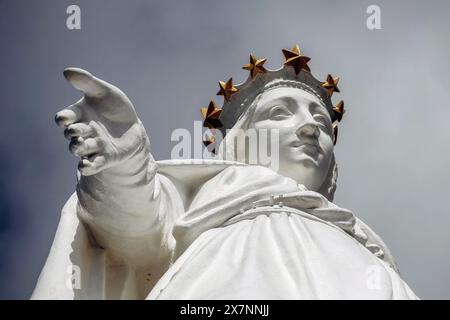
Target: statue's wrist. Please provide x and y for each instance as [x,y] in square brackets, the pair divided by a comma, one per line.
[133,163]
[120,189]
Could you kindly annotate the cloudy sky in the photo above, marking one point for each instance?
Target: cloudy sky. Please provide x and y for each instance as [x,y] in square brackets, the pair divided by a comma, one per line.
[394,144]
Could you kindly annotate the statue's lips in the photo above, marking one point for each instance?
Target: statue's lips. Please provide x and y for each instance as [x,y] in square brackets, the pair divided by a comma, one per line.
[308,145]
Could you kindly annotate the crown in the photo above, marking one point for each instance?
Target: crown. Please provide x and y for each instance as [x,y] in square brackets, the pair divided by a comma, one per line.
[295,73]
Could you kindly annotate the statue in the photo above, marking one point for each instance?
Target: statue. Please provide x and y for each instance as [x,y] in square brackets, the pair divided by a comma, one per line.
[137,228]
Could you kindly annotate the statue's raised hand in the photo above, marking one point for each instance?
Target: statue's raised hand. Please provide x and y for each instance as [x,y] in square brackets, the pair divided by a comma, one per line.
[103,127]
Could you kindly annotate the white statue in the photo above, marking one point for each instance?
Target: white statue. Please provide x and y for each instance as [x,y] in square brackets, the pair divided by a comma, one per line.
[137,228]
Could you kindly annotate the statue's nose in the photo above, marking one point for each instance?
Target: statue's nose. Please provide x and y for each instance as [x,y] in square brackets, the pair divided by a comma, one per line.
[309,129]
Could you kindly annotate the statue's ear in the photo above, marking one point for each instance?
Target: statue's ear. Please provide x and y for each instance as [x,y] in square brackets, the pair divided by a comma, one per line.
[329,185]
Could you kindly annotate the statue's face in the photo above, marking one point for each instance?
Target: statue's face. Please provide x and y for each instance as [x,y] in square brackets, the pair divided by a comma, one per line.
[305,132]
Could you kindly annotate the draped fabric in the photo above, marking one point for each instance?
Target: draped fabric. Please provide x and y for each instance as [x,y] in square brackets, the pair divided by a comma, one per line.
[253,234]
[246,232]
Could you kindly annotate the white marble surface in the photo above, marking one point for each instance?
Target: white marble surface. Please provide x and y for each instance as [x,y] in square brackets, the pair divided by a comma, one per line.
[139,229]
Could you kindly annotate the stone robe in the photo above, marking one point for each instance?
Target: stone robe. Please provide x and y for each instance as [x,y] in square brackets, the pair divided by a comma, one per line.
[230,231]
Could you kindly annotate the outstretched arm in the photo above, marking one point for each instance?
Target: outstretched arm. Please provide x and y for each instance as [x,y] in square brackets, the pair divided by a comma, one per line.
[116,186]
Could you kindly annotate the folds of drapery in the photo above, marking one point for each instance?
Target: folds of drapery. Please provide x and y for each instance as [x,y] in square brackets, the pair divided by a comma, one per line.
[212,194]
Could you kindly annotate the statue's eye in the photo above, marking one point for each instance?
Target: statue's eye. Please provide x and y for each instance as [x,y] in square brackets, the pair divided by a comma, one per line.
[322,120]
[279,112]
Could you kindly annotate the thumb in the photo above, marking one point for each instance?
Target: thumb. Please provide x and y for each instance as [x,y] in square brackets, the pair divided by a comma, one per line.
[84,81]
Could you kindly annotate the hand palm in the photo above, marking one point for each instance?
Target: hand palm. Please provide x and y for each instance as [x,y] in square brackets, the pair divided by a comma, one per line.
[103,126]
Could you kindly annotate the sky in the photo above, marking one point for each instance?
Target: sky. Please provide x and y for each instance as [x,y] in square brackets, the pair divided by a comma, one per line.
[167,56]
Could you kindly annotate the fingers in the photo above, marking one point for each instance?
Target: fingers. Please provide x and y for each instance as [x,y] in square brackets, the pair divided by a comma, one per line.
[84,81]
[78,130]
[86,148]
[91,165]
[69,115]
[82,148]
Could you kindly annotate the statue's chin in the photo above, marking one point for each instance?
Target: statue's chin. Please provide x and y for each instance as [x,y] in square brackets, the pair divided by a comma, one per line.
[308,162]
[304,171]
[307,159]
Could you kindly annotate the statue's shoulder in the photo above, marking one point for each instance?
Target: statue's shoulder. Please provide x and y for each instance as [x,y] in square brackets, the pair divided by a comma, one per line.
[189,174]
[193,173]
[194,167]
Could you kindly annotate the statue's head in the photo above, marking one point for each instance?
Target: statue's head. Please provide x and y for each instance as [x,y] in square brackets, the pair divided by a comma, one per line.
[304,133]
[293,107]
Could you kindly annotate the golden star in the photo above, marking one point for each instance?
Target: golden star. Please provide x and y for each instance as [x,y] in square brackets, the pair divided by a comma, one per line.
[227,89]
[295,59]
[255,66]
[211,116]
[339,110]
[211,140]
[331,84]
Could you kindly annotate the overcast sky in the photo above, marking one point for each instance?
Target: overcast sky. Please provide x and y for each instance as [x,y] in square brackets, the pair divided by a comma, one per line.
[393,149]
